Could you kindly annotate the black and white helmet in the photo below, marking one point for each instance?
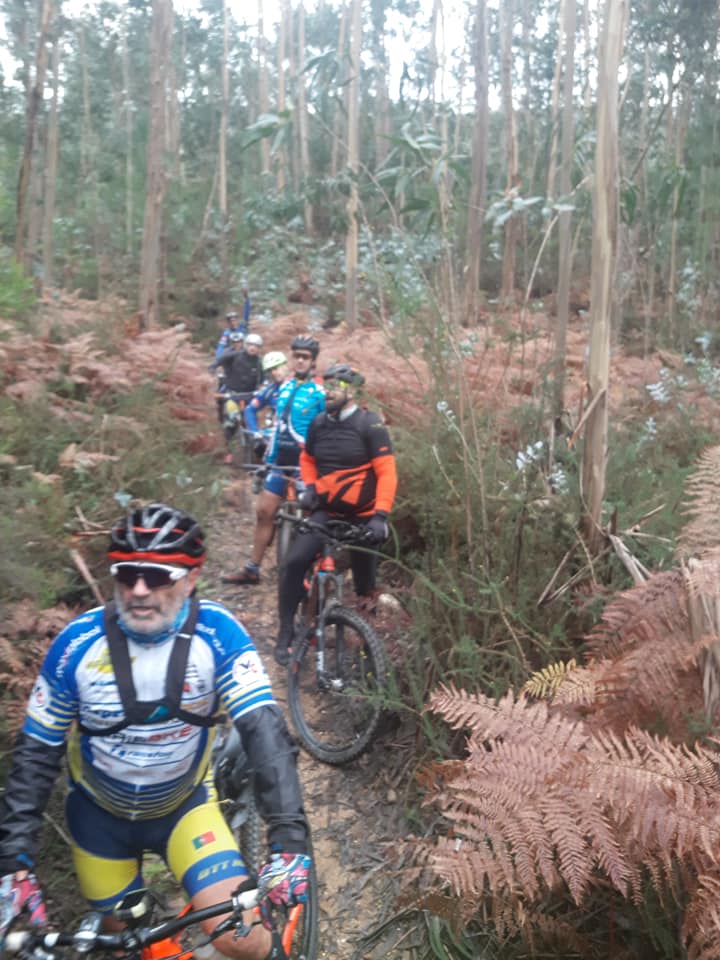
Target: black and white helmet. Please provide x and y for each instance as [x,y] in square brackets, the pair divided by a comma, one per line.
[158,533]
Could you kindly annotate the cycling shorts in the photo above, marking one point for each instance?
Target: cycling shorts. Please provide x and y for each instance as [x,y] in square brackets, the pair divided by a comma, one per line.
[194,840]
[277,480]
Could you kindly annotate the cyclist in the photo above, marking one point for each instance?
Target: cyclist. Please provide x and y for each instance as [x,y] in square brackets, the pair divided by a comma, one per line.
[233,322]
[242,369]
[274,366]
[136,687]
[348,468]
[300,398]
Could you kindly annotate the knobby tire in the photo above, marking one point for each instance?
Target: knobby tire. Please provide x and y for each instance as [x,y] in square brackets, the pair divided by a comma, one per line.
[336,726]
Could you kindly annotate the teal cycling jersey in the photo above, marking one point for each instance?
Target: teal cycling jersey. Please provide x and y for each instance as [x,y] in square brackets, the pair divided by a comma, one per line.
[299,401]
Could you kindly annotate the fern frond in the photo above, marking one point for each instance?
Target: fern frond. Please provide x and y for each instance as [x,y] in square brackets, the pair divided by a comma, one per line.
[702,505]
[544,683]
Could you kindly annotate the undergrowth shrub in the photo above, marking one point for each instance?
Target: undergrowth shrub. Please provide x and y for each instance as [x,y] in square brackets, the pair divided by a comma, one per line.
[17,294]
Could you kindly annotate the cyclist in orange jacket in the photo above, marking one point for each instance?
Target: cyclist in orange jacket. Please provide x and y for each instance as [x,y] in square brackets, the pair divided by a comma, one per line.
[348,469]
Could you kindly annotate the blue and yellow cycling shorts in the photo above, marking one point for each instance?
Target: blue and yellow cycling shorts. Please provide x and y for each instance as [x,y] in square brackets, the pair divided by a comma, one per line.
[194,840]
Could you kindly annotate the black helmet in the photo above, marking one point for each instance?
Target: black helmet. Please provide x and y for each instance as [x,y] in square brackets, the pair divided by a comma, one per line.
[303,341]
[343,371]
[158,533]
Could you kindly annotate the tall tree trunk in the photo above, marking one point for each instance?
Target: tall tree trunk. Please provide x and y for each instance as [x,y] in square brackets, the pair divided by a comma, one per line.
[303,130]
[129,166]
[680,128]
[263,103]
[554,105]
[336,153]
[150,259]
[478,185]
[511,160]
[51,165]
[564,222]
[222,150]
[31,121]
[281,156]
[353,138]
[604,245]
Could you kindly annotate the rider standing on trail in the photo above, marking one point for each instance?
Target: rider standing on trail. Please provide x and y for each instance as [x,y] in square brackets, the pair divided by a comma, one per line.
[233,326]
[242,368]
[274,366]
[348,468]
[136,686]
[299,400]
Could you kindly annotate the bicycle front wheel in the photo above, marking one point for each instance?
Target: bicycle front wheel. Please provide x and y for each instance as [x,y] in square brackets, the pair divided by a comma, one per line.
[299,934]
[336,709]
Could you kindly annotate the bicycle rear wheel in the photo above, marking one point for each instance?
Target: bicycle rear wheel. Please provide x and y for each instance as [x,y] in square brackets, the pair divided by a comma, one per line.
[336,712]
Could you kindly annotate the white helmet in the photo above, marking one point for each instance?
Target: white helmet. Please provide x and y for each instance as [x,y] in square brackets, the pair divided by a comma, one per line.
[253,340]
[275,358]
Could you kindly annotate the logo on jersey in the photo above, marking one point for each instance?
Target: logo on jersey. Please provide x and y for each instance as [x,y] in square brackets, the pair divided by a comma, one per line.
[248,670]
[203,840]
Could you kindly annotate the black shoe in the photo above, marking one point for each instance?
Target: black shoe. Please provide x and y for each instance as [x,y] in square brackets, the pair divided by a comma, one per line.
[282,655]
[284,642]
[247,578]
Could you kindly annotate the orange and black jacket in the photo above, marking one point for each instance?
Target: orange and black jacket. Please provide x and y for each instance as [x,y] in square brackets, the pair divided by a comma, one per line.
[351,464]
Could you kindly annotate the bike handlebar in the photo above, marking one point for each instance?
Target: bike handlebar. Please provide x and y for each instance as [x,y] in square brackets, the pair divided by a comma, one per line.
[86,939]
[338,531]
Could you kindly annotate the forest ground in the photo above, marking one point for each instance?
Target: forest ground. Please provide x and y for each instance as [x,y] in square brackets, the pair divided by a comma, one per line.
[355,811]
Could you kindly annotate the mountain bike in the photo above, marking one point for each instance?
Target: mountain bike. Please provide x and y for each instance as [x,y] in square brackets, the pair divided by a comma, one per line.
[237,435]
[144,938]
[236,793]
[338,673]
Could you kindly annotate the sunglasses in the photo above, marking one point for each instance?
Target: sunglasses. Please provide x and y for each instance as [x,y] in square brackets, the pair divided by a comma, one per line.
[155,575]
[337,385]
[302,356]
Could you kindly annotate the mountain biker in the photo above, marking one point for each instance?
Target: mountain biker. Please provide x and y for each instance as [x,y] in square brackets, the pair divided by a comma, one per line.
[274,366]
[348,468]
[233,326]
[135,687]
[242,371]
[300,398]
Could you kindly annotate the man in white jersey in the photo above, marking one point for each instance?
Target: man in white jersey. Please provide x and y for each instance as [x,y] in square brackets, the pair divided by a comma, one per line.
[135,688]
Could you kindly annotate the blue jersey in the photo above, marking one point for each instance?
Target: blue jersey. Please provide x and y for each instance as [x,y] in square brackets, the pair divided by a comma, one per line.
[144,770]
[299,401]
[266,396]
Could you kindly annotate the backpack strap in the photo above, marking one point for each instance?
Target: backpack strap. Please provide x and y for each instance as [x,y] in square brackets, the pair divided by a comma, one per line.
[139,712]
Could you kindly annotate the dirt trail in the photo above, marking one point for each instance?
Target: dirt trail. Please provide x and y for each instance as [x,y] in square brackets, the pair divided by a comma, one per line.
[354,810]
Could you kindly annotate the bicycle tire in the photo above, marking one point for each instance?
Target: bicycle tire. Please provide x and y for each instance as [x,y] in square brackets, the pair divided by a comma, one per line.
[337,720]
[285,533]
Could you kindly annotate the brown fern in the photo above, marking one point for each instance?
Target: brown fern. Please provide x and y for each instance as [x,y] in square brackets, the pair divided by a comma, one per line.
[702,495]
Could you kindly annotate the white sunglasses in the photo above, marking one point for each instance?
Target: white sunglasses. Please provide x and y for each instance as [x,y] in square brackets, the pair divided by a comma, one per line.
[155,575]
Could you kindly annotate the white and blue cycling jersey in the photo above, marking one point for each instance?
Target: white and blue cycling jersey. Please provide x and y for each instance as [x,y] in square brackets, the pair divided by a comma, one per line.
[144,770]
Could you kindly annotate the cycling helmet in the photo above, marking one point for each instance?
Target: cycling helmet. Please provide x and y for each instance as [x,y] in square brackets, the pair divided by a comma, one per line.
[304,341]
[232,315]
[253,340]
[273,359]
[158,533]
[343,371]
[236,337]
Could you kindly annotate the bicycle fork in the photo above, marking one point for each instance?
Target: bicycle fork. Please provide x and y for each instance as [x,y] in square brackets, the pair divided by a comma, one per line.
[327,578]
